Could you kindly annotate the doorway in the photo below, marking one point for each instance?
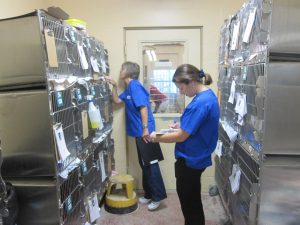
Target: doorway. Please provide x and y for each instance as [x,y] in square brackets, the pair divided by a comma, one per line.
[159,51]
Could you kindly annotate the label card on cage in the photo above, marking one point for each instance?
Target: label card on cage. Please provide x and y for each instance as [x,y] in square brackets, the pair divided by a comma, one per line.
[85,124]
[241,104]
[106,113]
[249,27]
[103,65]
[234,178]
[83,61]
[94,210]
[94,64]
[95,76]
[232,92]
[60,142]
[51,48]
[218,149]
[235,36]
[102,166]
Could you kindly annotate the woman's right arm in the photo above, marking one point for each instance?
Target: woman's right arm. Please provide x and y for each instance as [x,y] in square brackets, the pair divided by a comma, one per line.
[115,95]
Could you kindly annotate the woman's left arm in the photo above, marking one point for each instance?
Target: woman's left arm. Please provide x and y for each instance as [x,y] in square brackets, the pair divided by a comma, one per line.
[144,116]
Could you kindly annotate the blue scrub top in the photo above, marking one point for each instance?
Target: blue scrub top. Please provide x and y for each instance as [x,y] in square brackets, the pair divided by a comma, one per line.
[201,120]
[134,97]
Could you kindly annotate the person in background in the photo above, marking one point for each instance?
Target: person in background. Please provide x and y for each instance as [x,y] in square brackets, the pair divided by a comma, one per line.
[157,97]
[139,122]
[196,139]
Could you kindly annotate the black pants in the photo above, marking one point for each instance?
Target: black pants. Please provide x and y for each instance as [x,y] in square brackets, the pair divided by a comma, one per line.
[188,186]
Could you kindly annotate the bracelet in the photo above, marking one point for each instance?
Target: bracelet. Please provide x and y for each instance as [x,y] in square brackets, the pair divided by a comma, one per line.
[145,126]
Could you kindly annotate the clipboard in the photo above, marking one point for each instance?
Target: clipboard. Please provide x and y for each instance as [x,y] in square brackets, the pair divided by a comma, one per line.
[167,131]
[150,152]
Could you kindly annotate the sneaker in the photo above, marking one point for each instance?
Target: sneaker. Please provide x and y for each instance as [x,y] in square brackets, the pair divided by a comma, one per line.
[153,205]
[144,200]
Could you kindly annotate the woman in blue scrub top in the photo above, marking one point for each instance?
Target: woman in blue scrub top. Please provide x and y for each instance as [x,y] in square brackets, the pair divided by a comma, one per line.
[139,124]
[195,140]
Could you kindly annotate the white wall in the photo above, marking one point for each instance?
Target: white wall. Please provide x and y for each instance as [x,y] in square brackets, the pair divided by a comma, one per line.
[11,8]
[106,19]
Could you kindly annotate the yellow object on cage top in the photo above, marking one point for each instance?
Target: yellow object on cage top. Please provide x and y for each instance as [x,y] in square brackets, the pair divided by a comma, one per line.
[80,24]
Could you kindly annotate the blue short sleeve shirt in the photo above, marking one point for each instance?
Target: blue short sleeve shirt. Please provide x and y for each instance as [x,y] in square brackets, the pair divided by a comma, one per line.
[200,119]
[134,97]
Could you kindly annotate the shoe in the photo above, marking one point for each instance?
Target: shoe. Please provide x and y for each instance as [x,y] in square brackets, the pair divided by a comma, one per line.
[144,200]
[153,205]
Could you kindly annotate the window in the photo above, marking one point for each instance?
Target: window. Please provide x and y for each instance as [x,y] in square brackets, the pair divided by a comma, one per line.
[160,62]
[161,79]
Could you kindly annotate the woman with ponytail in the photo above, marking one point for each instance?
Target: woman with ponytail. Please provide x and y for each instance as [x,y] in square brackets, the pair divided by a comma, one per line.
[195,139]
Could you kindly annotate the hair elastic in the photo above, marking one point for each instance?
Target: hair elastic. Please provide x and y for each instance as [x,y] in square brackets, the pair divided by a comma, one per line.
[201,74]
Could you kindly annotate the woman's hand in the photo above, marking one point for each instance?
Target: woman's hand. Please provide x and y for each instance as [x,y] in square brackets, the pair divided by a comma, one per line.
[153,136]
[174,125]
[146,136]
[111,81]
[115,96]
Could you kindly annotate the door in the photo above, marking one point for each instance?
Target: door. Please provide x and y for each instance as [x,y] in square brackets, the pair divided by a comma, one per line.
[159,51]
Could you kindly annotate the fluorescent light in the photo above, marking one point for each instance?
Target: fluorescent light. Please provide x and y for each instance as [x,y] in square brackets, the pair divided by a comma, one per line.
[148,52]
[153,55]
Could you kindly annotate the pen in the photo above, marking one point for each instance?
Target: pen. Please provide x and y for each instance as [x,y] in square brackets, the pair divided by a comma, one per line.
[174,124]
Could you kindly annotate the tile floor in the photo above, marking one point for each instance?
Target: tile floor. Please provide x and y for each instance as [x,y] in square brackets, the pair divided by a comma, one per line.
[169,213]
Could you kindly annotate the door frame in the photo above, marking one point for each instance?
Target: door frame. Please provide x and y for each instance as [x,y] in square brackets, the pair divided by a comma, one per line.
[200,28]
